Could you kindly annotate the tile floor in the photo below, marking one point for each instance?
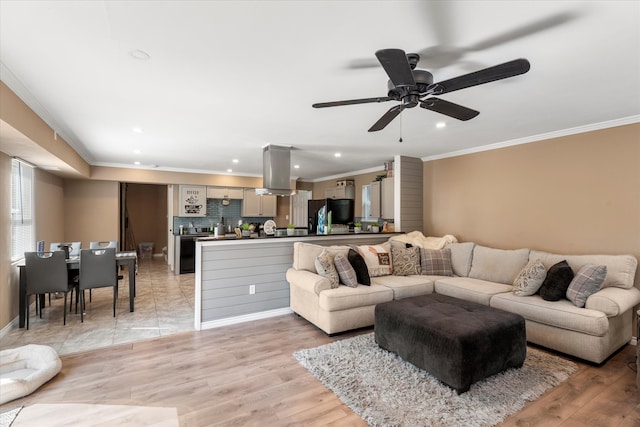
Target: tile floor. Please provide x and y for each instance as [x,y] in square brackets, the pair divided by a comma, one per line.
[163,305]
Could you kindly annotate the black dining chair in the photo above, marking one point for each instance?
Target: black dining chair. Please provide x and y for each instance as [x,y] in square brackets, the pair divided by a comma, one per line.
[46,273]
[98,270]
[72,250]
[102,244]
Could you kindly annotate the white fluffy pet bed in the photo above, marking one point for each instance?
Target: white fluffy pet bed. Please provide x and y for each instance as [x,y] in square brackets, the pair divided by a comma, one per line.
[24,369]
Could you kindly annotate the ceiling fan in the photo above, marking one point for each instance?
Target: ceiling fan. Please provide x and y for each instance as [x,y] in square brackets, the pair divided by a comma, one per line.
[415,87]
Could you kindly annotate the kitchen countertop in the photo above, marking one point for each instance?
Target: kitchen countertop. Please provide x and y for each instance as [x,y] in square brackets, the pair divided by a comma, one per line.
[210,238]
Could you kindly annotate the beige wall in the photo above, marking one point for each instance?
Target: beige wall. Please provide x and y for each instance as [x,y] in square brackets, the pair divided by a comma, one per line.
[91,211]
[576,194]
[50,208]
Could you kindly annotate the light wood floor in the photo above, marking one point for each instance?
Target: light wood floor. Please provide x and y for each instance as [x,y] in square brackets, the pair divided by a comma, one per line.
[244,375]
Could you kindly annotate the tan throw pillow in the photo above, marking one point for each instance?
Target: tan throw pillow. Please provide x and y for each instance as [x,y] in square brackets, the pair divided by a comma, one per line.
[345,271]
[377,258]
[586,282]
[326,268]
[406,261]
[530,278]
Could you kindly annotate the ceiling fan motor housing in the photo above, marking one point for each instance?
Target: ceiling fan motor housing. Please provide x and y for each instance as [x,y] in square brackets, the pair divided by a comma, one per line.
[423,80]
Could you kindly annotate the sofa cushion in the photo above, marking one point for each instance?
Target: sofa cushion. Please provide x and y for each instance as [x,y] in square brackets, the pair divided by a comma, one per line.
[377,258]
[621,269]
[406,261]
[326,268]
[467,288]
[436,262]
[554,287]
[344,297]
[461,256]
[405,286]
[561,314]
[529,279]
[497,265]
[345,271]
[305,254]
[360,267]
[586,282]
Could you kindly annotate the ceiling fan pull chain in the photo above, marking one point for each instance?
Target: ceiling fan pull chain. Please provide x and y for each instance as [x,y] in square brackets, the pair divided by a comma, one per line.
[400,140]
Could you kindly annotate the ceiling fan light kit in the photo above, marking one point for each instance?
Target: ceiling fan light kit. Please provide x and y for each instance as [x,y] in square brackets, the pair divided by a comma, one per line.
[413,87]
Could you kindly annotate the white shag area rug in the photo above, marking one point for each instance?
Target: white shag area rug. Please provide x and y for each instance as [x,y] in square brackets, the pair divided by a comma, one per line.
[80,414]
[385,390]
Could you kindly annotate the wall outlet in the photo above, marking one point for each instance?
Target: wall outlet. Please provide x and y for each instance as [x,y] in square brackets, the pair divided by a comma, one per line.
[252,289]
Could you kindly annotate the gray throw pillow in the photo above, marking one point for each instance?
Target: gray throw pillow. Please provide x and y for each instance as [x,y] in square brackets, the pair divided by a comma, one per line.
[326,268]
[586,282]
[346,272]
[436,262]
[530,278]
[555,285]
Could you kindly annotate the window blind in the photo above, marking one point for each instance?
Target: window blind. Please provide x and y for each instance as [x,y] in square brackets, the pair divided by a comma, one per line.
[22,227]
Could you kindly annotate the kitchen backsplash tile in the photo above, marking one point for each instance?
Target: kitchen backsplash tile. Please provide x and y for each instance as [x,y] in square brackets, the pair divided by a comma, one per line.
[216,210]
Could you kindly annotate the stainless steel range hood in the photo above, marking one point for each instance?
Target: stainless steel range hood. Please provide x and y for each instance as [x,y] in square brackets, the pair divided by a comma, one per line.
[276,171]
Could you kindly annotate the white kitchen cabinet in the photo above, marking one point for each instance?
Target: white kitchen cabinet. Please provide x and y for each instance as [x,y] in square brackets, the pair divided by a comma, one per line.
[225,193]
[342,192]
[387,198]
[254,205]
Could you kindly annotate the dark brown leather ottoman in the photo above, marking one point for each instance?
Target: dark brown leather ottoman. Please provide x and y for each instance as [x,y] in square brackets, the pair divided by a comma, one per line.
[457,341]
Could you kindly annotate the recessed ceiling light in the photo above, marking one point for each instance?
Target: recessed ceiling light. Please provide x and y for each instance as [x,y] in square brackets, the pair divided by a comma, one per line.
[229,170]
[136,163]
[337,155]
[137,130]
[140,54]
[296,166]
[441,125]
[235,160]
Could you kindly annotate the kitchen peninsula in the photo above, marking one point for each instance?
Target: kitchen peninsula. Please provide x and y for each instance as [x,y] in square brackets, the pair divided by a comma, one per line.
[239,280]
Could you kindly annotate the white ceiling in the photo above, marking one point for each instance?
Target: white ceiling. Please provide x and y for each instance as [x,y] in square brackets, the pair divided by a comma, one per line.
[225,78]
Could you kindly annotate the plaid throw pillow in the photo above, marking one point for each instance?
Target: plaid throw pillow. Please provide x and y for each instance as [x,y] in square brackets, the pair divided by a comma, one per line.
[345,271]
[436,262]
[586,282]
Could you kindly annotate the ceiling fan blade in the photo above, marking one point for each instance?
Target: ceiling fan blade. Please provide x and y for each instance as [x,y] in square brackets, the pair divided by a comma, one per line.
[351,102]
[449,109]
[387,117]
[491,74]
[395,63]
[525,30]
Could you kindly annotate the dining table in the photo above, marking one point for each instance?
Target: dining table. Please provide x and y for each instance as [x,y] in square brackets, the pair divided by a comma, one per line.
[123,259]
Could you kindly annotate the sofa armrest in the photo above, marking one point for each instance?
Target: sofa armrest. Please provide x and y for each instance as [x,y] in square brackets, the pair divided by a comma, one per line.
[312,282]
[613,301]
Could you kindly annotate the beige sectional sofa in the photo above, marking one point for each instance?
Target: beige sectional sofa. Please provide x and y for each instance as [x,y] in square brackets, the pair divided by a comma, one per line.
[483,275]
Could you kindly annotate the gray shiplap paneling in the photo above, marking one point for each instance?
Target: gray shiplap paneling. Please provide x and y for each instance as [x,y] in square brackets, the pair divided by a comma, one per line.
[229,268]
[411,193]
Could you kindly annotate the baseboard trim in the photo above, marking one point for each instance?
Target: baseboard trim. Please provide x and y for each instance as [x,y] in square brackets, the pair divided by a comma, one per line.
[244,318]
[11,325]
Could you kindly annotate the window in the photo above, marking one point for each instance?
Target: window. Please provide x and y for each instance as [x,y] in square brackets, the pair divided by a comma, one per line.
[22,233]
